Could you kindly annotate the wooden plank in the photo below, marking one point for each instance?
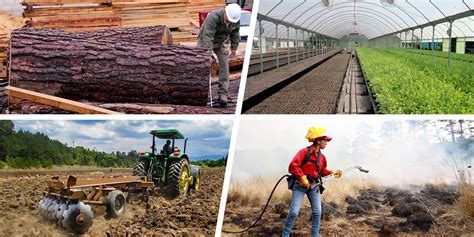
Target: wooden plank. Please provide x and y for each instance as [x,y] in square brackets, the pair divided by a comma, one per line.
[35,12]
[62,2]
[132,2]
[57,102]
[145,109]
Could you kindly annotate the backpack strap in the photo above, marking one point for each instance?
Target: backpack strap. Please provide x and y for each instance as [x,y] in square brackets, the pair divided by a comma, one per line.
[306,158]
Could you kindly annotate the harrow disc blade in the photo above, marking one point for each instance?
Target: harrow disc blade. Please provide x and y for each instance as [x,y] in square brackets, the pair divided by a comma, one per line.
[78,218]
[59,214]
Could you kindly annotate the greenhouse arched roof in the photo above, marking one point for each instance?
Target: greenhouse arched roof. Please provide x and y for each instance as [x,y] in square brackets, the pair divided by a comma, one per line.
[371,18]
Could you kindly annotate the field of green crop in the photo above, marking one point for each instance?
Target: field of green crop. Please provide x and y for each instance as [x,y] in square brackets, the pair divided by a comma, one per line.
[454,56]
[408,83]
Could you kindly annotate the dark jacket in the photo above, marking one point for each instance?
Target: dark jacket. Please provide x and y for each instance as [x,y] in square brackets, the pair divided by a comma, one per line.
[214,31]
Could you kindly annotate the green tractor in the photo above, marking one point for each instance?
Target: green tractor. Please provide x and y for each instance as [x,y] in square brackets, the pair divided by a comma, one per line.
[169,169]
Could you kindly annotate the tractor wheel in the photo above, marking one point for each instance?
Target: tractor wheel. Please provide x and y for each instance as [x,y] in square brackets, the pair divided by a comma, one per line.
[196,174]
[178,178]
[141,167]
[116,203]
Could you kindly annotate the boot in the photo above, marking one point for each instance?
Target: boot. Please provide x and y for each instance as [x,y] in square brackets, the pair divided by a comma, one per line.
[223,99]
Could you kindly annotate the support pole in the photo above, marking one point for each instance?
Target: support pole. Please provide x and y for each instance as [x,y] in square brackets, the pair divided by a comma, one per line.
[304,44]
[449,44]
[317,44]
[260,42]
[401,41]
[412,39]
[432,45]
[297,51]
[277,45]
[288,42]
[405,39]
[421,40]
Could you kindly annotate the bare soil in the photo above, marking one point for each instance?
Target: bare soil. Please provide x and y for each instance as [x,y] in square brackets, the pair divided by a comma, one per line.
[193,215]
[428,211]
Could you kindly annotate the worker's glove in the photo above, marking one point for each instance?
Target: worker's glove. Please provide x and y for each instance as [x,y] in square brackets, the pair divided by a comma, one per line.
[337,173]
[225,47]
[304,181]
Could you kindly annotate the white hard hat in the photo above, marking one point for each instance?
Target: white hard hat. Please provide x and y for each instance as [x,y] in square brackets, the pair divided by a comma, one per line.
[232,12]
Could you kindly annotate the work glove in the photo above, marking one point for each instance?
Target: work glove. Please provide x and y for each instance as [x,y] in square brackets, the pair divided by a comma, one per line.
[337,173]
[304,181]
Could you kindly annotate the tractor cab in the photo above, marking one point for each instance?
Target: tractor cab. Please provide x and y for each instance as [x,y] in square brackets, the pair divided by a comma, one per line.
[170,168]
[165,135]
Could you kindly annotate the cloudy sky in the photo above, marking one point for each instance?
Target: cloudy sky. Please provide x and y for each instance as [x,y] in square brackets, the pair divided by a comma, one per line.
[206,137]
[266,147]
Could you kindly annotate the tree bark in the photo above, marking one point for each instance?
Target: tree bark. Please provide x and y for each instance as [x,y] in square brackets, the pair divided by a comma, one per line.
[151,35]
[75,67]
[3,100]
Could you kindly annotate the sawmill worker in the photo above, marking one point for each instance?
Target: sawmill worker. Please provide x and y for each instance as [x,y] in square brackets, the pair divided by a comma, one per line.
[220,27]
[307,169]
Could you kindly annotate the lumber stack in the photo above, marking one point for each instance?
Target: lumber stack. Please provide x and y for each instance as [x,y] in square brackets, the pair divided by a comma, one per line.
[172,13]
[102,14]
[3,55]
[70,15]
[75,67]
[196,6]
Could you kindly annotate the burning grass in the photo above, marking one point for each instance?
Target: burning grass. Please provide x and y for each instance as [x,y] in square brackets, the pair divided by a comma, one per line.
[465,202]
[255,192]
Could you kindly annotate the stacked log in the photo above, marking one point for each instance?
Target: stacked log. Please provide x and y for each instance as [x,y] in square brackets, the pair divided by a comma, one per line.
[3,100]
[75,67]
[152,35]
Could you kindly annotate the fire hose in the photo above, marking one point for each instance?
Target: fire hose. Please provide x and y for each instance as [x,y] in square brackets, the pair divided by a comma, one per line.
[325,178]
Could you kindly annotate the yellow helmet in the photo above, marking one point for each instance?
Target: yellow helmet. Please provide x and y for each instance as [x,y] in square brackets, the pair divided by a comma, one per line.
[315,134]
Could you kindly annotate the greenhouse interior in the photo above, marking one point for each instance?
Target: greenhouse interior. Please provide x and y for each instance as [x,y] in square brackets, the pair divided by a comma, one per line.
[363,57]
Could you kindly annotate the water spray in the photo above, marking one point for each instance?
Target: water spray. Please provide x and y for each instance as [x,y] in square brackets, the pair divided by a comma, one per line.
[325,178]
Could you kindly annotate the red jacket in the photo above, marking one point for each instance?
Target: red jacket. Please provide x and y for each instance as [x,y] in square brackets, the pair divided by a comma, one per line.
[309,167]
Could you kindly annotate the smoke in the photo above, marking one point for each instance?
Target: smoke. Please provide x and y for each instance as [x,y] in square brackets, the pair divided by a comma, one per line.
[396,152]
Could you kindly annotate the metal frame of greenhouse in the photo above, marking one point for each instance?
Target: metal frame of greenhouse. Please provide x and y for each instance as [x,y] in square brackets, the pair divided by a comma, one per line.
[312,27]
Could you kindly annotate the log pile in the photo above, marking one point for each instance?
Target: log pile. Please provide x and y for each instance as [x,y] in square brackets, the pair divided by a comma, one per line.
[3,100]
[75,67]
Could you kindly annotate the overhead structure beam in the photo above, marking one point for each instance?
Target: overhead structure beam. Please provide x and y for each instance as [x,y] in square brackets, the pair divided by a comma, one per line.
[359,17]
[437,22]
[376,27]
[284,23]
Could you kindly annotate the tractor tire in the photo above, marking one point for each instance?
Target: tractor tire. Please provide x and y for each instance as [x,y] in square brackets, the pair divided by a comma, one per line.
[141,167]
[178,170]
[116,204]
[196,174]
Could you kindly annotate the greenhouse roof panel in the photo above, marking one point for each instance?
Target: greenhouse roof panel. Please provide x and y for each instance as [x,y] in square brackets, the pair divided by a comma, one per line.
[372,18]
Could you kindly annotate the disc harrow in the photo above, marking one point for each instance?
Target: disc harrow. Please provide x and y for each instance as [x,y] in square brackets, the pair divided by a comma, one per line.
[69,203]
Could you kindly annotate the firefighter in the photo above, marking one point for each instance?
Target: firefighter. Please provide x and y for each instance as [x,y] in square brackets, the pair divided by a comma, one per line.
[220,27]
[307,169]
